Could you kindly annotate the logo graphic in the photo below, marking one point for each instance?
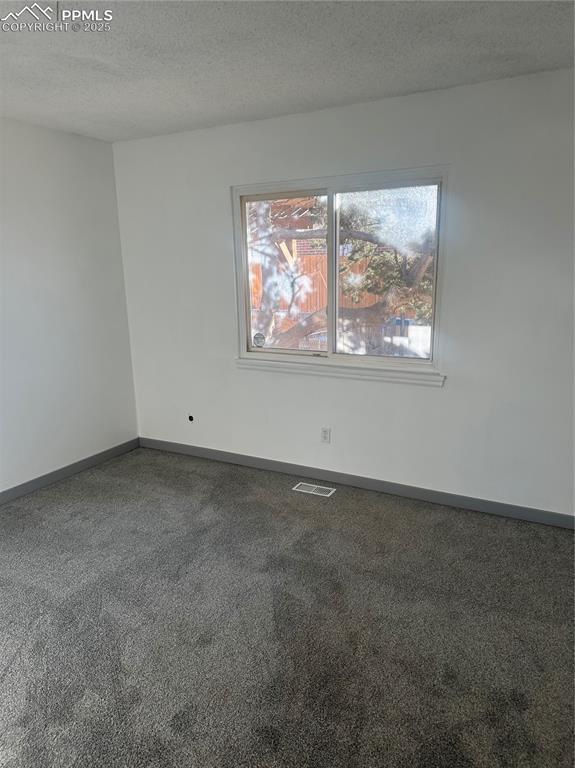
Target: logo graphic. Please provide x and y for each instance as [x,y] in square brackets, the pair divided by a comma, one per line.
[34,10]
[39,18]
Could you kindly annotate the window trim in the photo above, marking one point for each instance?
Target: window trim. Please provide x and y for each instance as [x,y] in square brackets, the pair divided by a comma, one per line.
[401,370]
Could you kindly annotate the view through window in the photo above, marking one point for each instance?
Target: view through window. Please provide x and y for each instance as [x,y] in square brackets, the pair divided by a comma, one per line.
[376,300]
[386,271]
[287,260]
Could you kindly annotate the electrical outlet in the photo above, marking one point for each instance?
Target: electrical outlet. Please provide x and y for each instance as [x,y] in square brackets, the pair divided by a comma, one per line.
[326,434]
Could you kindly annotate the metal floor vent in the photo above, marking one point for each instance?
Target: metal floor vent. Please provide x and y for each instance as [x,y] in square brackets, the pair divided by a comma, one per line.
[317,490]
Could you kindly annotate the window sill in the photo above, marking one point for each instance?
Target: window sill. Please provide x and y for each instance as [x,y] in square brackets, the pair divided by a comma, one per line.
[423,374]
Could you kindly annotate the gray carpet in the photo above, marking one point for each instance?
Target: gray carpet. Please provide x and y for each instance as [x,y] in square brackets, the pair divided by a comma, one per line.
[161,611]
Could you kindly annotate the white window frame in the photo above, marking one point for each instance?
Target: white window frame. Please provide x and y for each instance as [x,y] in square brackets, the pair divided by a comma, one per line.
[330,363]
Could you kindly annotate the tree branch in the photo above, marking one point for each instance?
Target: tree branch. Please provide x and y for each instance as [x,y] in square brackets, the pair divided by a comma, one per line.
[317,321]
[418,270]
[320,234]
[377,313]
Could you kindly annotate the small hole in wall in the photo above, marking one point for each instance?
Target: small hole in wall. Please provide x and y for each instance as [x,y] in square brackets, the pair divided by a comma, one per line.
[190,418]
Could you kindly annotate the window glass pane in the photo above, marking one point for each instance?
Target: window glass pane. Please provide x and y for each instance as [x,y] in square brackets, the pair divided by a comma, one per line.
[287,262]
[386,271]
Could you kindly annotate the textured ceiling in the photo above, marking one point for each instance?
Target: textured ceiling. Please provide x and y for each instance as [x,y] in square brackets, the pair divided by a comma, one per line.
[172,66]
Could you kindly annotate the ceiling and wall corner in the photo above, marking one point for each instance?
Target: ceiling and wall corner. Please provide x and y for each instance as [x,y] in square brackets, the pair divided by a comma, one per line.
[165,67]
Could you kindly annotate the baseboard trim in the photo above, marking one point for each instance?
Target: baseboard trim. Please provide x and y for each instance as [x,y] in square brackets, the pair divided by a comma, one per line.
[71,469]
[526,514]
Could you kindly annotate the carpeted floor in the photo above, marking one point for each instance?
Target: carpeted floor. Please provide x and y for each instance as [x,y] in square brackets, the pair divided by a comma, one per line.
[161,611]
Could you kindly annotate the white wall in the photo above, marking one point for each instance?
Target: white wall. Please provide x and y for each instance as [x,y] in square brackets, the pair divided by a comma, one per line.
[501,427]
[67,389]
